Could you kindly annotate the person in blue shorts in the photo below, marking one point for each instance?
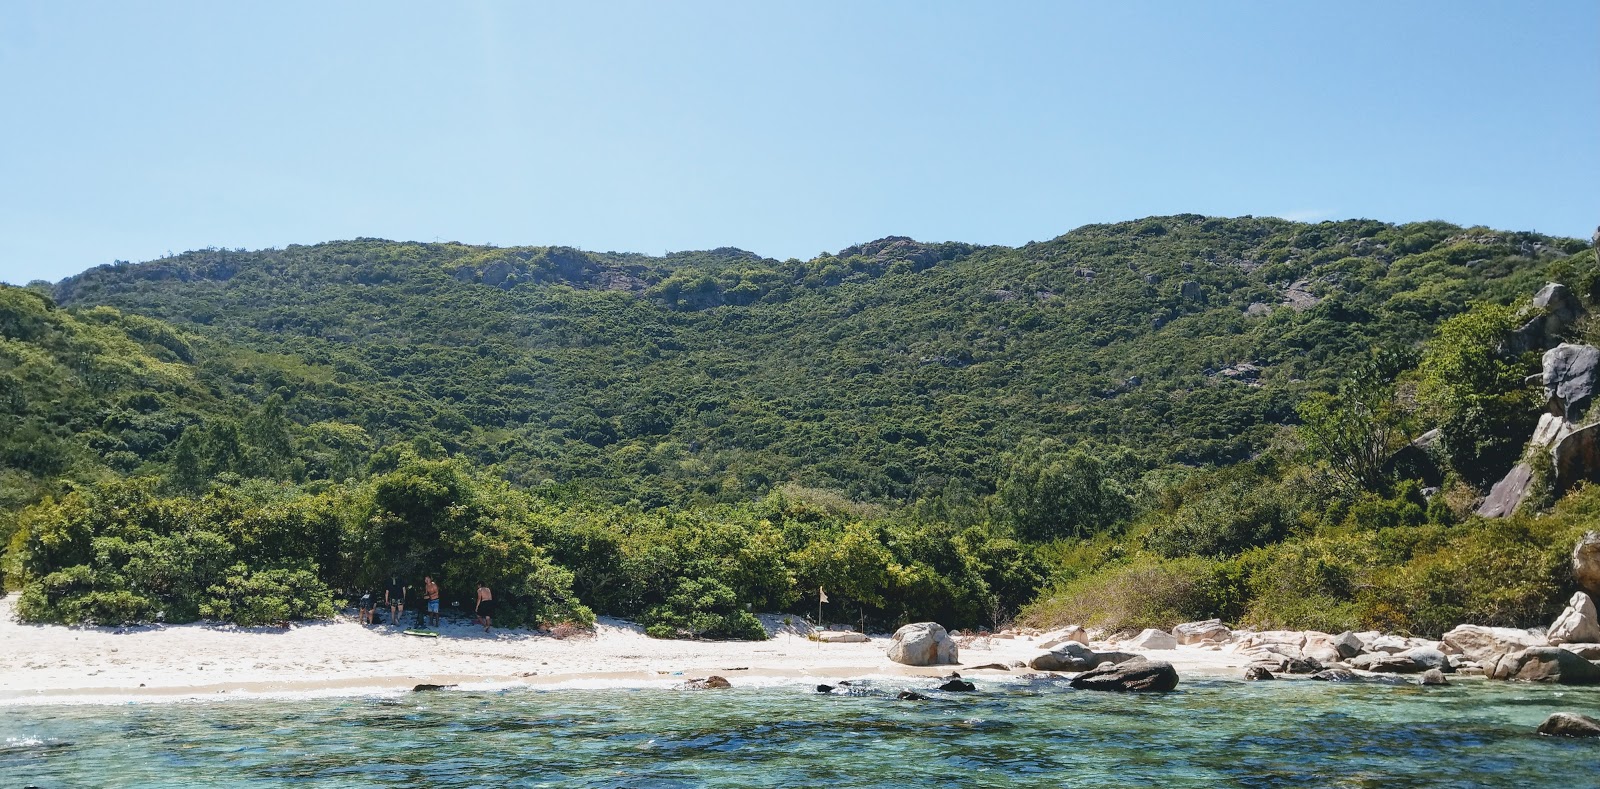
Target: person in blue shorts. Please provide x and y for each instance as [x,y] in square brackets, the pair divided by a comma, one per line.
[430,596]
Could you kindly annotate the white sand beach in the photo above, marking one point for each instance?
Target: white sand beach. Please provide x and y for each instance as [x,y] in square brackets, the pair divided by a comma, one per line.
[55,664]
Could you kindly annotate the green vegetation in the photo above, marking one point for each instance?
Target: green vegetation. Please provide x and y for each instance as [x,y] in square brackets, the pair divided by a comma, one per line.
[1126,425]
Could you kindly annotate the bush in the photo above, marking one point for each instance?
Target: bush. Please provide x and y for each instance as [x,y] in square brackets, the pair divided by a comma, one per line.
[1145,592]
[267,597]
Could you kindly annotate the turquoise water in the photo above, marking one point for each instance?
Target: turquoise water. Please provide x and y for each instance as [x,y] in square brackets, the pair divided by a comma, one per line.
[1209,733]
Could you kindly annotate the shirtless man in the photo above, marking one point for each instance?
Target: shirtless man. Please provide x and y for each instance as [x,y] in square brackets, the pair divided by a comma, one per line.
[430,596]
[485,607]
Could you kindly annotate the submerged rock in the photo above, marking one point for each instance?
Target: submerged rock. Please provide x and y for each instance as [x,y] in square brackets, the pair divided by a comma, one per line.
[923,644]
[911,695]
[425,687]
[1335,675]
[1138,674]
[958,686]
[1432,676]
[1569,724]
[707,683]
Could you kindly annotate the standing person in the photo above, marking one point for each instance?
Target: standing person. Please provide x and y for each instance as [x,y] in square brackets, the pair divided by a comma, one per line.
[367,609]
[430,596]
[485,606]
[395,597]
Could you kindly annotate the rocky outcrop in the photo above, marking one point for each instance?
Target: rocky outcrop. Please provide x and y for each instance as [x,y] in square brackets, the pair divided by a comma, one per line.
[1431,677]
[1136,675]
[1576,458]
[1068,656]
[1577,623]
[1485,645]
[923,644]
[1429,659]
[1210,631]
[1152,638]
[1509,493]
[1569,379]
[1556,312]
[1546,664]
[1569,724]
[1055,638]
[1385,663]
[1586,562]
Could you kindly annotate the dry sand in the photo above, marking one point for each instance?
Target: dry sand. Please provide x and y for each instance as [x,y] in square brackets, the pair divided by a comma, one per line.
[55,664]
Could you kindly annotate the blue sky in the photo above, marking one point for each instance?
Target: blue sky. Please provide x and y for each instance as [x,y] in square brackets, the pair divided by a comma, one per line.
[132,129]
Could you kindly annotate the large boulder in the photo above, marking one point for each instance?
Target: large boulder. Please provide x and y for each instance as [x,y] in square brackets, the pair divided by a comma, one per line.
[1577,624]
[1348,645]
[1576,457]
[1429,658]
[1060,636]
[1067,656]
[1546,664]
[923,644]
[1569,379]
[1509,493]
[1433,676]
[1137,674]
[1208,631]
[1557,311]
[1485,645]
[1569,724]
[1586,562]
[1152,638]
[1385,663]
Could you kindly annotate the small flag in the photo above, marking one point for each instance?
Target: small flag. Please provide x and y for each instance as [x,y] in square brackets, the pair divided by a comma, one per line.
[822,597]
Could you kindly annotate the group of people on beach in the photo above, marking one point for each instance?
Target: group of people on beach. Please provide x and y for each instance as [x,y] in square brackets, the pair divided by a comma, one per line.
[394,599]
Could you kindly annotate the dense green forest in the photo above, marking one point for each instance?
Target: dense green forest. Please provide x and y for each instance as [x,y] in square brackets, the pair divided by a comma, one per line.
[1126,425]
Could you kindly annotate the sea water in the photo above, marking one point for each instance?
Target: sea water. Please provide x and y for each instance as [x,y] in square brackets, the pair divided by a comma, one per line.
[1009,733]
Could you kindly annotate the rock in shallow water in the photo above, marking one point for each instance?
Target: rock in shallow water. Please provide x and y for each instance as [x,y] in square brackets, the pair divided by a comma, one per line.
[1138,674]
[1569,724]
[911,695]
[958,686]
[1432,676]
[1335,675]
[1257,674]
[1547,664]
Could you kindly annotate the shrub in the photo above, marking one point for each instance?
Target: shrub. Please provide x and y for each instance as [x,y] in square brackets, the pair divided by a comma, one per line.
[267,597]
[1145,592]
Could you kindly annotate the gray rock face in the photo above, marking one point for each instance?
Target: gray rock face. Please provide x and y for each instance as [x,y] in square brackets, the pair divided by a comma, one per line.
[1586,562]
[1138,674]
[1485,645]
[1569,379]
[1569,724]
[1558,309]
[1348,645]
[1508,493]
[1302,665]
[1067,656]
[1576,457]
[1429,658]
[1577,624]
[1210,630]
[923,644]
[1385,663]
[1547,664]
[1190,291]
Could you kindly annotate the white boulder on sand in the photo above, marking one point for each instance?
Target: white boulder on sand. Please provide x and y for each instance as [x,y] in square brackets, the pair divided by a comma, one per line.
[1208,631]
[1577,624]
[1152,638]
[1055,638]
[923,644]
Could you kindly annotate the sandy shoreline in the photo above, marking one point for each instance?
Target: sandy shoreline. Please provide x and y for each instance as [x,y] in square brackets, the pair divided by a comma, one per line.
[56,664]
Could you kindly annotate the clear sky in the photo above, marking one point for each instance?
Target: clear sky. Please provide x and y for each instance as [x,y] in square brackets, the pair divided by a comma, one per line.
[132,129]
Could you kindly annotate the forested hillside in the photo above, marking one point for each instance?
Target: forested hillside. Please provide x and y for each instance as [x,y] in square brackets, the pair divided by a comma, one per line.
[1127,424]
[891,371]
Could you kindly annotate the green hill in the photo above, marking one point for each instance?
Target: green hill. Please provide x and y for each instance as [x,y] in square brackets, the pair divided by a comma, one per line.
[892,370]
[1105,426]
